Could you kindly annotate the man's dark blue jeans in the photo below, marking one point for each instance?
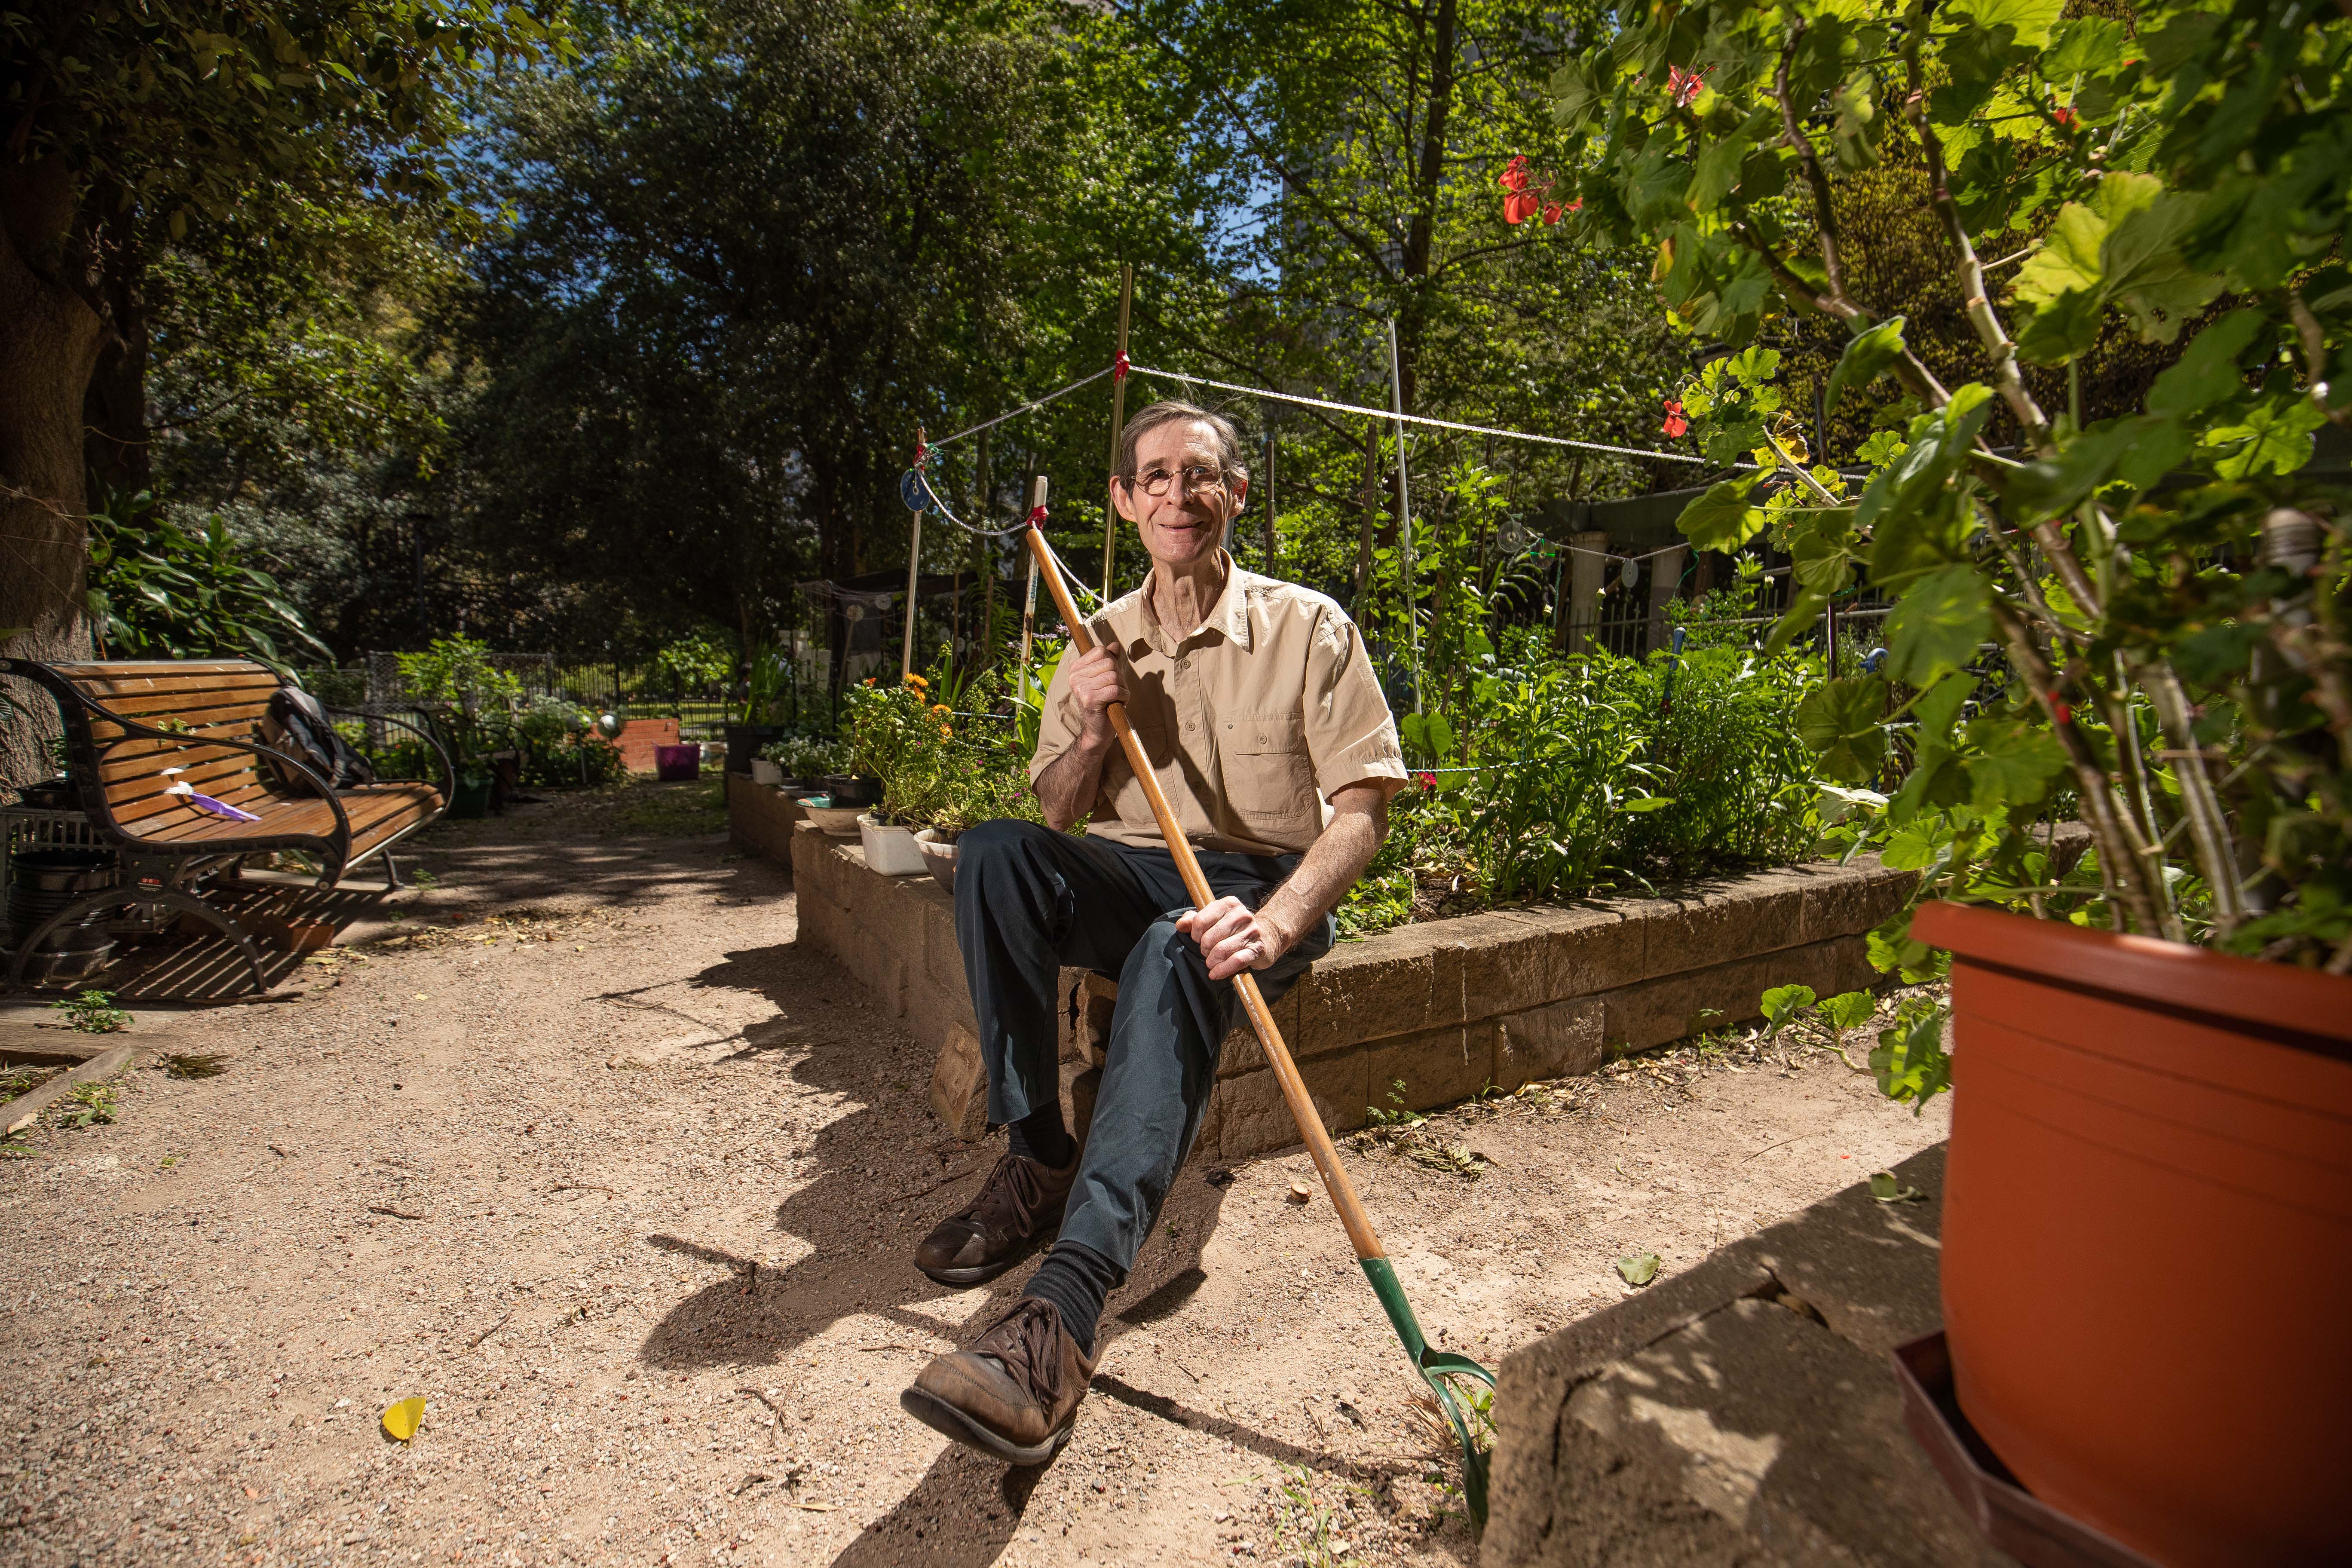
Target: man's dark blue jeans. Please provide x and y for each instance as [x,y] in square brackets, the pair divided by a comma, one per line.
[1029,901]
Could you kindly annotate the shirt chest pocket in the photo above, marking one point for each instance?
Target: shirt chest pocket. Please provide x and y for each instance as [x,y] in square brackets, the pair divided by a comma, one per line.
[1269,777]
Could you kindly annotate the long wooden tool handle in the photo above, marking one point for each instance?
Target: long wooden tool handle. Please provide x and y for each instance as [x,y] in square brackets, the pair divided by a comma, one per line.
[1361,1233]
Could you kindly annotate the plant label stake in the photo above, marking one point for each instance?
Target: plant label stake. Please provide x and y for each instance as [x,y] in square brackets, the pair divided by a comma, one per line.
[1435,1366]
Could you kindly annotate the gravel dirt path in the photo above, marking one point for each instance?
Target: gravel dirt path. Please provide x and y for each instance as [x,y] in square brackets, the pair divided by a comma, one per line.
[578,1145]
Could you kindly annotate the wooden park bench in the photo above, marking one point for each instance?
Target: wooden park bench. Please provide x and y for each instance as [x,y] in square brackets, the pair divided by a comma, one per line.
[127,723]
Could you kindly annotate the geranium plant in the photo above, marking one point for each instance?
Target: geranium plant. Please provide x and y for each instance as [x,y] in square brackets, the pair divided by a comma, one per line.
[2132,614]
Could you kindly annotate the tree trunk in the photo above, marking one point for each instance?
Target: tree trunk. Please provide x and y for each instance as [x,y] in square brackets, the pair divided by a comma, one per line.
[116,440]
[49,340]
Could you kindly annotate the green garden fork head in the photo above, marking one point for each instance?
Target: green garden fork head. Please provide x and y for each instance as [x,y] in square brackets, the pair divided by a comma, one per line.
[1438,1369]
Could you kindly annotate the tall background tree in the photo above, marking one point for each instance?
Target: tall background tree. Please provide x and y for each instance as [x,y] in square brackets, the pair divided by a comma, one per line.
[129,131]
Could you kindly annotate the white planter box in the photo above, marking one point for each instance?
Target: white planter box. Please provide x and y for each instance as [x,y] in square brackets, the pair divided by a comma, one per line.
[765,772]
[890,850]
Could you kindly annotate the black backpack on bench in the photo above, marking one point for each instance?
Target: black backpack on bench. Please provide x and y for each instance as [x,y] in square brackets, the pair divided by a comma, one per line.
[297,727]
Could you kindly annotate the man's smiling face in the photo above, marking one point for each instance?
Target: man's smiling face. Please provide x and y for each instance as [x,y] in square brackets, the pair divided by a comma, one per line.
[1185,525]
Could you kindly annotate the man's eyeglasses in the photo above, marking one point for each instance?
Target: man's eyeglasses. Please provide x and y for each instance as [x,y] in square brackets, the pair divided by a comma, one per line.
[1154,482]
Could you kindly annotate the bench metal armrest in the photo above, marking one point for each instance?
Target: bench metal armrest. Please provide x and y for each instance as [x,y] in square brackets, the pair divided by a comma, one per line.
[448,772]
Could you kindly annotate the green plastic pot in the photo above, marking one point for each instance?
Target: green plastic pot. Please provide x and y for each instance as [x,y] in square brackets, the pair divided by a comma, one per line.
[472,799]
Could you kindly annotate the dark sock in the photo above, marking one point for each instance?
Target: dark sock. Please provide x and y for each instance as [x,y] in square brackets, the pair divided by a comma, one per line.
[1040,1136]
[1075,1279]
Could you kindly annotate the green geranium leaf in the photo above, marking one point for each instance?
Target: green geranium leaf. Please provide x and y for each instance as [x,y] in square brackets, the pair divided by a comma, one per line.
[1914,847]
[2063,329]
[1867,358]
[2274,437]
[2088,46]
[1784,1002]
[1910,1063]
[1716,173]
[1823,546]
[1722,519]
[1844,721]
[1893,951]
[1755,365]
[2207,372]
[2012,762]
[2150,442]
[1936,626]
[2028,21]
[2068,260]
[1849,1009]
[1937,709]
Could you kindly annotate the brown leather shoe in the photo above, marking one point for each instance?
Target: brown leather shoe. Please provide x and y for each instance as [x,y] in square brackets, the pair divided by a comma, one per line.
[1014,1393]
[1019,1206]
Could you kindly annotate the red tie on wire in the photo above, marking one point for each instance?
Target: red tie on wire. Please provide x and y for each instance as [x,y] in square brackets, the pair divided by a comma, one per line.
[1037,518]
[923,448]
[1118,366]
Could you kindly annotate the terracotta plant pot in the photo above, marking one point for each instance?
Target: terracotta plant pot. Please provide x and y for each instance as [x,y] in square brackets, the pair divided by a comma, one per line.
[2148,1235]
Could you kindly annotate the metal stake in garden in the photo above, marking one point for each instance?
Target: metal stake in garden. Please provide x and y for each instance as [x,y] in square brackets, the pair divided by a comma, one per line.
[917,495]
[1435,1366]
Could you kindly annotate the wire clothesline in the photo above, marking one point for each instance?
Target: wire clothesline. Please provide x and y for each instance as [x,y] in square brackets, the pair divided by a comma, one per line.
[1029,407]
[1300,399]
[1390,414]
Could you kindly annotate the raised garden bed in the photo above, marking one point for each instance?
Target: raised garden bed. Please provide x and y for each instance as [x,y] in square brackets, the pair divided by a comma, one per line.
[1447,1006]
[761,817]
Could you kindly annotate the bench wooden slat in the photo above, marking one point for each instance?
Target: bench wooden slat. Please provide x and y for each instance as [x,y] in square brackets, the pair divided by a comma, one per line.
[101,687]
[140,759]
[254,700]
[242,792]
[128,669]
[376,812]
[127,691]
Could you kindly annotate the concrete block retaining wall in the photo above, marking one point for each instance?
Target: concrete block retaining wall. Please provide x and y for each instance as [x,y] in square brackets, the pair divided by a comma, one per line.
[1448,1006]
[761,817]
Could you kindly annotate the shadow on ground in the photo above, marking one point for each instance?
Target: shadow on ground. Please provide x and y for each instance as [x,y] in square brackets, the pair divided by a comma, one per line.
[874,1192]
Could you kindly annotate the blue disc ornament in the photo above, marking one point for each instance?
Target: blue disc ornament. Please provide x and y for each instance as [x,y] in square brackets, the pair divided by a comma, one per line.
[914,490]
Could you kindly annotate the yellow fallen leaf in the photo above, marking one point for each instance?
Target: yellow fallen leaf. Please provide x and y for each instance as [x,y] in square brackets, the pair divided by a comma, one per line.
[422,997]
[402,1419]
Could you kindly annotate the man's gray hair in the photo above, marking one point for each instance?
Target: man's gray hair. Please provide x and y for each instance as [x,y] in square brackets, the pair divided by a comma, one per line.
[1229,440]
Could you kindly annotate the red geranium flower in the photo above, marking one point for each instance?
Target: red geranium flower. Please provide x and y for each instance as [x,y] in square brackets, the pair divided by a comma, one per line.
[2062,713]
[1425,780]
[1683,85]
[1514,176]
[1521,206]
[1675,424]
[2064,117]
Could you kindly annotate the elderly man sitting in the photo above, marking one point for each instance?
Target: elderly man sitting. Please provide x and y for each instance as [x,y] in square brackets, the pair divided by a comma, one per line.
[1257,705]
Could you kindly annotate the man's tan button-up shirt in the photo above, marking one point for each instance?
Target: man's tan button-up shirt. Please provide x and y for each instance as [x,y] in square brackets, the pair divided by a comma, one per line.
[1252,721]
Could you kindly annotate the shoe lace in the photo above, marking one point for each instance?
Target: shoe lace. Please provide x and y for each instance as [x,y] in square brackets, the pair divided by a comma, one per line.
[1028,1341]
[1012,1189]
